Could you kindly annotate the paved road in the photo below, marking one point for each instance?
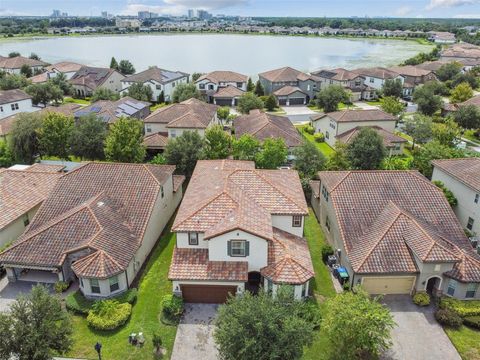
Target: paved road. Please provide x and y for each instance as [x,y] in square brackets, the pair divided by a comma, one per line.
[194,339]
[417,336]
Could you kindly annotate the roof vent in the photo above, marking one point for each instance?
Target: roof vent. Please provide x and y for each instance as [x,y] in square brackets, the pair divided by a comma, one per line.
[100,203]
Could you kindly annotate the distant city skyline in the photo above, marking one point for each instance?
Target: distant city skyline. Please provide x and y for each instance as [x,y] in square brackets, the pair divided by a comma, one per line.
[300,8]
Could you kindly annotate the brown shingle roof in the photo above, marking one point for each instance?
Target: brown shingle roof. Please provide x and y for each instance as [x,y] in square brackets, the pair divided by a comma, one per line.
[18,61]
[285,74]
[389,139]
[263,126]
[9,96]
[228,92]
[410,70]
[465,170]
[155,73]
[377,72]
[223,76]
[357,115]
[339,74]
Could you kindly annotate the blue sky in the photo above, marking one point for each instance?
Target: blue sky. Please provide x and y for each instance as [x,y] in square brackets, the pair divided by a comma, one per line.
[318,8]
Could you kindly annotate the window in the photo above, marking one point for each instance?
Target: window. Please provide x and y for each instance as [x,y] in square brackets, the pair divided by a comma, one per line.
[269,286]
[327,223]
[173,84]
[331,81]
[238,248]
[477,197]
[14,106]
[297,220]
[162,192]
[192,238]
[437,268]
[158,87]
[452,284]
[471,290]
[94,286]
[325,193]
[357,83]
[201,86]
[470,223]
[327,135]
[148,128]
[304,289]
[113,283]
[1,108]
[26,220]
[308,87]
[173,133]
[239,84]
[372,80]
[332,124]
[81,282]
[210,87]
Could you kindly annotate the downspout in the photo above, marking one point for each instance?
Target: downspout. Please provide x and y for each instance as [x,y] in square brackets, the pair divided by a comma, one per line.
[126,276]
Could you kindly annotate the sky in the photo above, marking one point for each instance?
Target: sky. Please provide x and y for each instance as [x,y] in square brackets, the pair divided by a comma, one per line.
[310,8]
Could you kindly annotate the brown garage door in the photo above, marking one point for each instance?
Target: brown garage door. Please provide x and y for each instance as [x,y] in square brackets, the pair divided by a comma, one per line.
[210,294]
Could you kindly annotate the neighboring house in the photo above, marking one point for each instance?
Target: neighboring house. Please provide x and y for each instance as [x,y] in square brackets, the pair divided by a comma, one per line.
[413,76]
[98,225]
[155,143]
[13,65]
[432,65]
[460,52]
[448,108]
[14,102]
[394,144]
[375,77]
[336,123]
[189,115]
[222,87]
[159,80]
[462,178]
[442,37]
[395,233]
[239,228]
[67,68]
[88,79]
[347,79]
[265,126]
[109,111]
[300,87]
[21,193]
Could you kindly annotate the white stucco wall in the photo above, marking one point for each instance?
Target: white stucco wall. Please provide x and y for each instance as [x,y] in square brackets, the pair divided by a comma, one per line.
[13,230]
[284,222]
[157,87]
[297,289]
[377,83]
[182,241]
[176,284]
[104,286]
[172,133]
[23,106]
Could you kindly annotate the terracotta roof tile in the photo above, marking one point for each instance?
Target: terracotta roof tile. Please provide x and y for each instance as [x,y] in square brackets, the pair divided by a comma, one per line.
[357,115]
[228,92]
[155,141]
[389,139]
[223,76]
[161,76]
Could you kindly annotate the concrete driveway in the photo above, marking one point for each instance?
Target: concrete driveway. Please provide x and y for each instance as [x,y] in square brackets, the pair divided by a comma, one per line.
[194,339]
[417,335]
[298,114]
[9,292]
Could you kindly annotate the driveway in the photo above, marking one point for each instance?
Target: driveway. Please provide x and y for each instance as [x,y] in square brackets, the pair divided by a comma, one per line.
[10,291]
[298,114]
[417,335]
[194,338]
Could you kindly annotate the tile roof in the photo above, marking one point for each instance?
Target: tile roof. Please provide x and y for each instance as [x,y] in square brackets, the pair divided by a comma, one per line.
[228,92]
[389,139]
[223,76]
[18,61]
[432,65]
[382,222]
[263,126]
[9,96]
[91,77]
[288,90]
[465,170]
[377,72]
[285,74]
[110,111]
[339,74]
[155,73]
[356,115]
[410,70]
[155,141]
[98,207]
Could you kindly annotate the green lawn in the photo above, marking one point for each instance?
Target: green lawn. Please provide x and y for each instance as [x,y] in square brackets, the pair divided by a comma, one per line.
[76,101]
[374,103]
[341,106]
[467,342]
[324,148]
[145,315]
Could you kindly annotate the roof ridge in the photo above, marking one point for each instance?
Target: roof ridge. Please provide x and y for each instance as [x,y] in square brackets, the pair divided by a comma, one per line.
[341,181]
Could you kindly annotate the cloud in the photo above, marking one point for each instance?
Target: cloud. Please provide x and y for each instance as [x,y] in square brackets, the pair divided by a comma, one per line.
[467,16]
[403,10]
[6,12]
[179,7]
[449,3]
[207,4]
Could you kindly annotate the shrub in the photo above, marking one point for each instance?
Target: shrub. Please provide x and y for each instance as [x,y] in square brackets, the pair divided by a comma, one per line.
[77,303]
[421,299]
[327,250]
[310,312]
[172,308]
[319,137]
[462,308]
[448,318]
[472,321]
[346,286]
[61,286]
[309,129]
[108,314]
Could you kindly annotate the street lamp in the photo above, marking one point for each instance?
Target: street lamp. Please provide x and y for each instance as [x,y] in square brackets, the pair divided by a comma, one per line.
[98,349]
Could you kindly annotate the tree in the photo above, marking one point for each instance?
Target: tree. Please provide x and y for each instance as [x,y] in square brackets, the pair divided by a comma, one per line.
[184,92]
[140,92]
[428,103]
[223,113]
[218,143]
[449,71]
[452,200]
[245,148]
[438,88]
[392,105]
[392,88]
[330,97]
[61,81]
[366,151]
[43,93]
[184,151]
[125,67]
[363,322]
[6,156]
[26,71]
[35,328]
[13,81]
[468,117]
[124,142]
[113,64]
[161,97]
[249,101]
[158,159]
[432,150]
[250,85]
[467,77]
[446,132]
[396,163]
[13,54]
[34,56]
[104,94]
[54,135]
[419,127]
[259,90]
[271,102]
[308,160]
[461,93]
[196,76]
[24,139]
[264,327]
[338,161]
[273,154]
[88,137]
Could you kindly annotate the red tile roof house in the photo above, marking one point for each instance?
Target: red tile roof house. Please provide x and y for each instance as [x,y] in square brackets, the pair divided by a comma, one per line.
[336,125]
[65,67]
[97,226]
[222,87]
[13,65]
[395,233]
[88,79]
[238,228]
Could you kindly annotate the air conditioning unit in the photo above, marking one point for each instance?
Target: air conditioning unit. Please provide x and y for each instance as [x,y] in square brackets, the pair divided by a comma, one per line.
[474,242]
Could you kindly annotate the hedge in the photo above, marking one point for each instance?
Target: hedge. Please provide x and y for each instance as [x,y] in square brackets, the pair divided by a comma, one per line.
[79,304]
[472,321]
[421,299]
[108,314]
[462,308]
[172,309]
[448,318]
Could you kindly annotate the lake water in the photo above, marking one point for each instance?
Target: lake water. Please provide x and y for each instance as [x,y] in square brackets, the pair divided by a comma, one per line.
[247,54]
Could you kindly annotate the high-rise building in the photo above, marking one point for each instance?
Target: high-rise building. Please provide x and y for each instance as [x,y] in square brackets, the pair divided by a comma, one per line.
[56,13]
[104,14]
[203,15]
[142,15]
[191,13]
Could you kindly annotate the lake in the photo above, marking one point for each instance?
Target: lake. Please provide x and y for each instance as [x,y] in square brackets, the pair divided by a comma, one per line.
[247,54]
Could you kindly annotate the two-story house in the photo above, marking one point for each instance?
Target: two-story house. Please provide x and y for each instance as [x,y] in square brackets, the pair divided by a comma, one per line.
[88,79]
[395,233]
[222,88]
[375,77]
[413,76]
[337,124]
[13,65]
[66,68]
[239,228]
[159,80]
[15,101]
[462,178]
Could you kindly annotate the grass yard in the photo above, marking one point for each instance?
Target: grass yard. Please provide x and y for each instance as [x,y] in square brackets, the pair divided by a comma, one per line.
[76,101]
[324,148]
[145,315]
[374,102]
[341,106]
[467,342]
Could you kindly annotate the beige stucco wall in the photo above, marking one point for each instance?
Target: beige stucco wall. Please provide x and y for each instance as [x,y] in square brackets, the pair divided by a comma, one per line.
[284,222]
[13,230]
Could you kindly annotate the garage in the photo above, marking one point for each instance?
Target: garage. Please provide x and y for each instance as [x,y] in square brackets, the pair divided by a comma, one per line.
[297,101]
[223,102]
[388,284]
[208,294]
